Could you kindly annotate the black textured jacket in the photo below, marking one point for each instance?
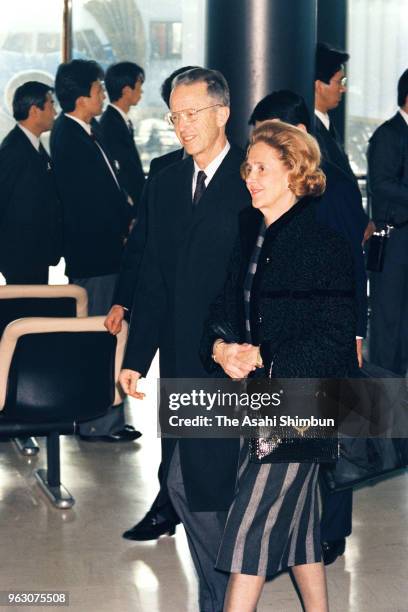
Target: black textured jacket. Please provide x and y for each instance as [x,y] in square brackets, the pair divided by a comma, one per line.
[303,311]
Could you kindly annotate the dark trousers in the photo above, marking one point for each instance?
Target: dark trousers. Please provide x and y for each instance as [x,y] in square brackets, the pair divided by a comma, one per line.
[30,276]
[336,518]
[204,532]
[389,319]
[100,294]
[162,506]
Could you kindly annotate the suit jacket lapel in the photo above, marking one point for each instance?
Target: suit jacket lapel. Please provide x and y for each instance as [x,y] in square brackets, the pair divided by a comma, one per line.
[214,192]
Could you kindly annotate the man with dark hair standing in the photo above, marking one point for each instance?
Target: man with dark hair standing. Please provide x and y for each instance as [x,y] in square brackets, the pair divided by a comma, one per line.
[123,82]
[30,215]
[330,85]
[95,210]
[388,187]
[339,208]
[193,208]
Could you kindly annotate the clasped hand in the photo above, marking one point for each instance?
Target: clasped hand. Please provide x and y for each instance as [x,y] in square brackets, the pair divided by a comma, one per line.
[237,360]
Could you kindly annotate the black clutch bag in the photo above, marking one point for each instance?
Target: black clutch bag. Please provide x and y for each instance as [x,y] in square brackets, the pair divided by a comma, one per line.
[298,443]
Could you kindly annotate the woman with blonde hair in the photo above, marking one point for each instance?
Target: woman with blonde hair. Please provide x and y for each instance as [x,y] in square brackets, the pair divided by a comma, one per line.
[288,311]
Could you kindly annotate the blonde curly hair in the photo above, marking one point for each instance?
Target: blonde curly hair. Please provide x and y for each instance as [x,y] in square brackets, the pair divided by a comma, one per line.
[298,151]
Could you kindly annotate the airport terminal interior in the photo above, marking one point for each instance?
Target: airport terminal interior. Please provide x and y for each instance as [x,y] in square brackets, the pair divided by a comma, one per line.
[80,551]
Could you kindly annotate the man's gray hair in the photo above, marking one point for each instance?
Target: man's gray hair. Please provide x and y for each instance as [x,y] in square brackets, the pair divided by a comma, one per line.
[217,86]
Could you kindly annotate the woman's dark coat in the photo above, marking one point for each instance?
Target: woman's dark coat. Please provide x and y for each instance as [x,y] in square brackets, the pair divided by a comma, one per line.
[303,310]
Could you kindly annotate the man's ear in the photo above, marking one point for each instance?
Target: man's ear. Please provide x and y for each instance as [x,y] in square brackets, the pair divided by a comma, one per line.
[223,113]
[318,89]
[33,112]
[301,126]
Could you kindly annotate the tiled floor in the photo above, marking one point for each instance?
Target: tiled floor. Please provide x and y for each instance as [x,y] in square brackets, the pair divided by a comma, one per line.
[81,550]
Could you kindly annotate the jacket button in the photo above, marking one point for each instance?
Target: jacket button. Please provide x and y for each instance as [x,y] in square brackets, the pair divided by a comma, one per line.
[268,260]
[260,318]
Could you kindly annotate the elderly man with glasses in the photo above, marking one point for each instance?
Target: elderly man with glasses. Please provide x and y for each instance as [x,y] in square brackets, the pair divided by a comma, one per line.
[193,208]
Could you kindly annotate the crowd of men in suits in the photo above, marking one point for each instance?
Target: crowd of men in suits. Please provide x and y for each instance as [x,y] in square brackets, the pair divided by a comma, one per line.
[89,199]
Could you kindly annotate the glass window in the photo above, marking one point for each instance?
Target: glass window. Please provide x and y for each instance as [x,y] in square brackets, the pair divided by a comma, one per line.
[160,36]
[30,48]
[165,40]
[378,47]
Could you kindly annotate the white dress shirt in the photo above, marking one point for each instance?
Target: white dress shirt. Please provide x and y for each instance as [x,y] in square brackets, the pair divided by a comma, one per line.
[124,115]
[35,141]
[211,169]
[324,118]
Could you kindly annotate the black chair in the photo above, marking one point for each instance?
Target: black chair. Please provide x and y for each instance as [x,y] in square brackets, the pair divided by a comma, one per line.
[55,373]
[17,301]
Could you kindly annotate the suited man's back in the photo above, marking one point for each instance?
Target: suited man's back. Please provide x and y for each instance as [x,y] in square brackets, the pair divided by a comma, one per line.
[332,148]
[94,207]
[387,158]
[30,213]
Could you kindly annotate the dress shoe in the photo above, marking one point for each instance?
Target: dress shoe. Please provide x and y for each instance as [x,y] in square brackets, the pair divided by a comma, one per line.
[127,434]
[332,550]
[150,528]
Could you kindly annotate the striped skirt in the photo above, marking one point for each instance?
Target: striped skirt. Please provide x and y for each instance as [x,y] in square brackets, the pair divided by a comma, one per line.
[274,521]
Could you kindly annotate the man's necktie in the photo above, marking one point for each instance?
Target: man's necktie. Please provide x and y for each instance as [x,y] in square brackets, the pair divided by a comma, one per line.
[130,126]
[200,187]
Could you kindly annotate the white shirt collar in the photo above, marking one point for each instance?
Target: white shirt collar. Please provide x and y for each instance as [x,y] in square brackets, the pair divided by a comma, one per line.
[120,111]
[212,167]
[404,115]
[35,141]
[324,118]
[83,124]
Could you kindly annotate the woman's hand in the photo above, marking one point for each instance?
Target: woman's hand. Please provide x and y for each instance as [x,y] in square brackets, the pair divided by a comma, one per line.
[237,360]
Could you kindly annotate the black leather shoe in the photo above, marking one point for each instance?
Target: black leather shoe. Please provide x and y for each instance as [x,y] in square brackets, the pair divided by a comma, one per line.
[127,434]
[150,528]
[332,550]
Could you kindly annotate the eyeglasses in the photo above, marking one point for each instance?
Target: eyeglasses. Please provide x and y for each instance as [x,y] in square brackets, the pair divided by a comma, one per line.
[189,115]
[341,82]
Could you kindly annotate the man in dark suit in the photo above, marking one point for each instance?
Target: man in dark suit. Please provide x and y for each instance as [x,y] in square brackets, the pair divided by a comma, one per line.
[95,211]
[123,82]
[193,209]
[339,208]
[30,213]
[388,187]
[125,286]
[330,85]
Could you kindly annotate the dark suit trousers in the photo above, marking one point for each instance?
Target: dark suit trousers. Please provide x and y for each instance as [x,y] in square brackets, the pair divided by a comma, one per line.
[100,293]
[204,532]
[29,276]
[389,320]
[162,506]
[335,521]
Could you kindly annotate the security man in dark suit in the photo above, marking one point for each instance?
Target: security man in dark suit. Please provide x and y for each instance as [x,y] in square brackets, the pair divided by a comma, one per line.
[123,82]
[388,188]
[95,210]
[330,85]
[339,208]
[30,213]
[193,209]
